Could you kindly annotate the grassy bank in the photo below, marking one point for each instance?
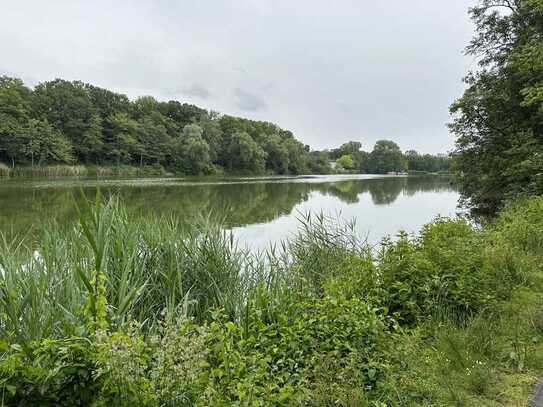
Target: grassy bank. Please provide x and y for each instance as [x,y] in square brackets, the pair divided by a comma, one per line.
[59,171]
[145,313]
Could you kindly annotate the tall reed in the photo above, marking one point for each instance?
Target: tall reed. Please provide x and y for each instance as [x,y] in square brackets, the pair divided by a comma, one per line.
[51,171]
[149,267]
[4,170]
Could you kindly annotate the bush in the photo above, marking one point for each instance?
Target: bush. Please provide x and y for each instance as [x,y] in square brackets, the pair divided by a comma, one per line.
[179,369]
[316,345]
[521,226]
[122,360]
[442,270]
[50,372]
[356,276]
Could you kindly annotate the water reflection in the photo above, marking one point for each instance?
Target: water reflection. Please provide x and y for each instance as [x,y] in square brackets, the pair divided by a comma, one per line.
[239,201]
[385,191]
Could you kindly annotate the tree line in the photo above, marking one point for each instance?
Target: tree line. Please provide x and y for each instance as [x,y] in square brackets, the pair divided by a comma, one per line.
[71,122]
[386,157]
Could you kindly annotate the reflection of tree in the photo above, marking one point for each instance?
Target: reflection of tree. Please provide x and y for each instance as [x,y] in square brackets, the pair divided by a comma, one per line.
[234,203]
[428,183]
[346,191]
[384,192]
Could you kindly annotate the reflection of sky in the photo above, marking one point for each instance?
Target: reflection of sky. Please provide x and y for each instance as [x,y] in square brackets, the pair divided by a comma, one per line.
[407,213]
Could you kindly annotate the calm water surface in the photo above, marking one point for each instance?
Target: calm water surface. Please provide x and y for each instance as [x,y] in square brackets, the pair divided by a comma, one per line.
[258,210]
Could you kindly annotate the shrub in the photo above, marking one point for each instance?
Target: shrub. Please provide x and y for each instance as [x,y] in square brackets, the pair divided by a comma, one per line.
[123,359]
[356,276]
[439,271]
[406,280]
[521,225]
[50,372]
[283,360]
[179,367]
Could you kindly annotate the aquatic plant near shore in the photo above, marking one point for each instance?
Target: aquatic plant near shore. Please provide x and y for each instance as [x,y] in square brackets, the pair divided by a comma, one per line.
[61,171]
[5,171]
[145,267]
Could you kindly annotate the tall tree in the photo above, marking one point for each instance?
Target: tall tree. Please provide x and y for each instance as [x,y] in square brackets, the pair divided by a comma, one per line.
[67,106]
[245,154]
[212,134]
[498,121]
[387,157]
[277,154]
[346,162]
[318,163]
[297,156]
[15,111]
[350,148]
[122,140]
[42,144]
[152,141]
[193,151]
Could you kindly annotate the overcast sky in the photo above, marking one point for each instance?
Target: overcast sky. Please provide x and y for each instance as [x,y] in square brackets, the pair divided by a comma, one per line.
[330,71]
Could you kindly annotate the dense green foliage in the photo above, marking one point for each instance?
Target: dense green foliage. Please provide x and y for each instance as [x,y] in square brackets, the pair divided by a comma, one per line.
[62,122]
[427,162]
[499,119]
[386,157]
[120,312]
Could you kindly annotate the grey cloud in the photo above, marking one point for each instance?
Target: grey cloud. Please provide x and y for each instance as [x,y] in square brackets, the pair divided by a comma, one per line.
[249,102]
[197,90]
[343,106]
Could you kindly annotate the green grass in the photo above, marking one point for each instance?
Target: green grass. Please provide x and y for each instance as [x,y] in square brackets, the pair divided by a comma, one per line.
[493,359]
[123,312]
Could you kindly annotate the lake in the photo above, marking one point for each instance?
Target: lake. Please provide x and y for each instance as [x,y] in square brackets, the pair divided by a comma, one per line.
[259,210]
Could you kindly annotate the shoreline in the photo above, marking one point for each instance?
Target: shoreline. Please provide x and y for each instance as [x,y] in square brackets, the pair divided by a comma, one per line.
[125,171]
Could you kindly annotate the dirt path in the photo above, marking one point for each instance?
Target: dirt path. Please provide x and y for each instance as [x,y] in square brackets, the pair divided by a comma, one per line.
[537,401]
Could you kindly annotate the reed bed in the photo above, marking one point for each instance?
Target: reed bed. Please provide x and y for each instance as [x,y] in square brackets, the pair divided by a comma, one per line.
[60,171]
[50,171]
[5,171]
[148,268]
